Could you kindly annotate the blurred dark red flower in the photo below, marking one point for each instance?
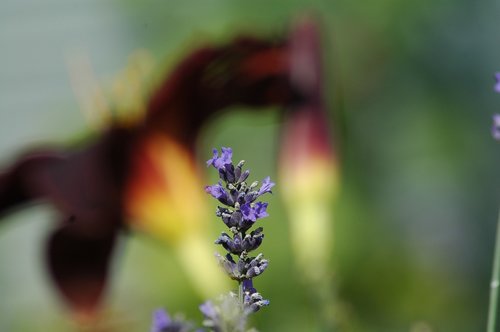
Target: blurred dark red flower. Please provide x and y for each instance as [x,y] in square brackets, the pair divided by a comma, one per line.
[128,174]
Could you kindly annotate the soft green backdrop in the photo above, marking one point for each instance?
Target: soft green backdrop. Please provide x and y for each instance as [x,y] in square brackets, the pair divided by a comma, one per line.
[411,93]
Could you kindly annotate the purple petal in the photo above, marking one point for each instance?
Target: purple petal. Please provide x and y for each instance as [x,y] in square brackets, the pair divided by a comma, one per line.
[497,82]
[256,212]
[248,212]
[161,320]
[214,158]
[226,155]
[208,310]
[217,191]
[495,128]
[260,210]
[266,186]
[224,159]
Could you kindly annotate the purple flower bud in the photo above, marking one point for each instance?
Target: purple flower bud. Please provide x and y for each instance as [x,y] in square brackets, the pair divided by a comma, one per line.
[234,196]
[222,174]
[253,240]
[254,305]
[241,267]
[234,270]
[252,300]
[244,176]
[229,170]
[223,238]
[237,170]
[253,272]
[235,219]
[234,245]
[248,286]
[495,128]
[218,191]
[256,266]
[161,320]
[208,310]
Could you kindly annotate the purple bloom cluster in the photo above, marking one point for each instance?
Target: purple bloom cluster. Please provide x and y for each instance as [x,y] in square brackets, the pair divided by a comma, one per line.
[240,212]
[253,301]
[238,194]
[242,270]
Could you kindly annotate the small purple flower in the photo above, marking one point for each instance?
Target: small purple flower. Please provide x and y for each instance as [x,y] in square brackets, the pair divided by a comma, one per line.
[252,299]
[161,320]
[234,245]
[209,311]
[257,211]
[266,186]
[247,212]
[497,82]
[224,159]
[218,191]
[260,209]
[495,128]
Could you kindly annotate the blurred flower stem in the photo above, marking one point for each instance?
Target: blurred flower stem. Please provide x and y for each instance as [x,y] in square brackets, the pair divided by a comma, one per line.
[310,173]
[492,312]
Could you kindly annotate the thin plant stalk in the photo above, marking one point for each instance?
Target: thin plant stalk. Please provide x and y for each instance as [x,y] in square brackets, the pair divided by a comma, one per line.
[241,297]
[495,282]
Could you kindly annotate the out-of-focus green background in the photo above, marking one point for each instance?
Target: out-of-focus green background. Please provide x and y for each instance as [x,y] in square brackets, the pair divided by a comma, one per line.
[410,84]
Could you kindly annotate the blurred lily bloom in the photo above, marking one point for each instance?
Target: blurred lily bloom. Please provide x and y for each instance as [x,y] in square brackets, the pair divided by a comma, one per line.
[143,175]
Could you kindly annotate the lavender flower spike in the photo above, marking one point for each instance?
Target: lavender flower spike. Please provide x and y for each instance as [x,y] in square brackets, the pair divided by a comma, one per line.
[240,215]
[497,82]
[495,128]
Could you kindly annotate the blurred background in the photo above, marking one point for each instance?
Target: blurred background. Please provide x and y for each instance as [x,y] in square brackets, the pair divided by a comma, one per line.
[410,89]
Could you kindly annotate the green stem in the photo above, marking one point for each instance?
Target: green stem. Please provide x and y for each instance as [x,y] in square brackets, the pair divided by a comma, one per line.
[240,292]
[492,312]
